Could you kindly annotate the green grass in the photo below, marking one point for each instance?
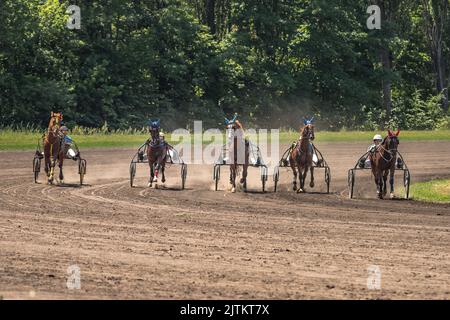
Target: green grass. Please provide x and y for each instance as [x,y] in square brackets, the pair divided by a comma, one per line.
[27,139]
[432,191]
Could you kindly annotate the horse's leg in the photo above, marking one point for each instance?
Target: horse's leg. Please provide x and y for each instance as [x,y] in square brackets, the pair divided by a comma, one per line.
[47,162]
[377,181]
[245,166]
[391,181]
[52,166]
[385,174]
[155,178]
[233,178]
[311,169]
[152,174]
[163,169]
[61,163]
[294,171]
[300,177]
[380,184]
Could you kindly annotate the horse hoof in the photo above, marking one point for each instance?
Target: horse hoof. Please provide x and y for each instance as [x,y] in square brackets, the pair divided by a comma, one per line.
[392,196]
[300,190]
[294,188]
[233,190]
[311,184]
[149,185]
[156,186]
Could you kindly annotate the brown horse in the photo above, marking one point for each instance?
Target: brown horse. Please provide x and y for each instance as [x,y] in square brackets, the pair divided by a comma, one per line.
[238,152]
[301,157]
[157,150]
[383,162]
[53,148]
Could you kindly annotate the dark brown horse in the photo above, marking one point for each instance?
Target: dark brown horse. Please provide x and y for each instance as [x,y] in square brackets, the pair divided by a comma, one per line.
[53,148]
[238,153]
[157,150]
[383,161]
[301,157]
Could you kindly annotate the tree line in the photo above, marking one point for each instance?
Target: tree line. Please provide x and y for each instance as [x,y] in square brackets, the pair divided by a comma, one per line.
[271,61]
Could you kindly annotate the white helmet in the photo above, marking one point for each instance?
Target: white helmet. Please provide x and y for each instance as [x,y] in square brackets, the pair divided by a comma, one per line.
[377,137]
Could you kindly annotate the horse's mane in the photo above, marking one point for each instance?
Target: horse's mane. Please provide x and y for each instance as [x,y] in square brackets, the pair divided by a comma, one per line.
[239,125]
[302,130]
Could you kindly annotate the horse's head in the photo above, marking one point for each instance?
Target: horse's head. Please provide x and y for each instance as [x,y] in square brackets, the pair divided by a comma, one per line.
[155,126]
[392,141]
[233,125]
[308,129]
[55,120]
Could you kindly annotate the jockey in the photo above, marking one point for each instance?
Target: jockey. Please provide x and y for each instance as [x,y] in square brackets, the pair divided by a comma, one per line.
[365,162]
[377,139]
[68,144]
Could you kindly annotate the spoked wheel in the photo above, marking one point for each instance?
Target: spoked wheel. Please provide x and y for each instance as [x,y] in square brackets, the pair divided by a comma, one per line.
[406,182]
[263,178]
[328,178]
[82,170]
[216,176]
[351,183]
[36,168]
[276,177]
[132,173]
[183,175]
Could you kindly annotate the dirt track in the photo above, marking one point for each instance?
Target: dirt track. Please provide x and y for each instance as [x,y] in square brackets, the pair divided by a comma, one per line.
[153,244]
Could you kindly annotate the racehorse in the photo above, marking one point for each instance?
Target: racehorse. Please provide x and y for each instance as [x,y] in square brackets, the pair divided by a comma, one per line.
[301,156]
[383,162]
[238,153]
[157,150]
[53,148]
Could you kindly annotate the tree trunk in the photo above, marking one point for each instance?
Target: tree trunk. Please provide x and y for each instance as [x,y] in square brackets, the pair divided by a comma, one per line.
[387,83]
[436,17]
[210,15]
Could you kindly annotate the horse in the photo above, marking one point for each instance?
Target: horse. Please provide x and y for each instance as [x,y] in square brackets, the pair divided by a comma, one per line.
[157,150]
[238,153]
[301,156]
[53,148]
[383,162]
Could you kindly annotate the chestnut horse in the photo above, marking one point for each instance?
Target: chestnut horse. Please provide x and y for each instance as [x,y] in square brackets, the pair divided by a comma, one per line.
[301,156]
[156,153]
[53,150]
[383,162]
[238,153]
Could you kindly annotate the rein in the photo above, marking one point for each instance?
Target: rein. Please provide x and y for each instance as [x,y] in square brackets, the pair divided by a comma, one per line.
[392,152]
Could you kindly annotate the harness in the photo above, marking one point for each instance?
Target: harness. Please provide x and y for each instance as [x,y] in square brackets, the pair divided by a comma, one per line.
[392,152]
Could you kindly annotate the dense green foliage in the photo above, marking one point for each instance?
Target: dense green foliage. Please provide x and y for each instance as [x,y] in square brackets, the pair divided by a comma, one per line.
[272,61]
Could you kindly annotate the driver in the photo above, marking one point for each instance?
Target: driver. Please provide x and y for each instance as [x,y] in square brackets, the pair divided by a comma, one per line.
[365,162]
[68,144]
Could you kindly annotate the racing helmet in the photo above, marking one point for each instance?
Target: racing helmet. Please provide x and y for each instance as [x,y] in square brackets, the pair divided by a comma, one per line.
[377,137]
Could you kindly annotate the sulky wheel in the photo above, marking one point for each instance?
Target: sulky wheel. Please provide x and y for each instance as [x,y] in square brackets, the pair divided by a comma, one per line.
[36,168]
[351,183]
[216,176]
[263,178]
[276,177]
[328,178]
[82,170]
[132,173]
[406,182]
[183,175]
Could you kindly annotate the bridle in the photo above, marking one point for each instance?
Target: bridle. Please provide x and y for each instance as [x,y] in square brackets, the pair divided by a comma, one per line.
[391,151]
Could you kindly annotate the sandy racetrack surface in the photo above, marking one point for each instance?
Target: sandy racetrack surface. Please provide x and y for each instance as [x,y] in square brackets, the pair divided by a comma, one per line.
[201,244]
